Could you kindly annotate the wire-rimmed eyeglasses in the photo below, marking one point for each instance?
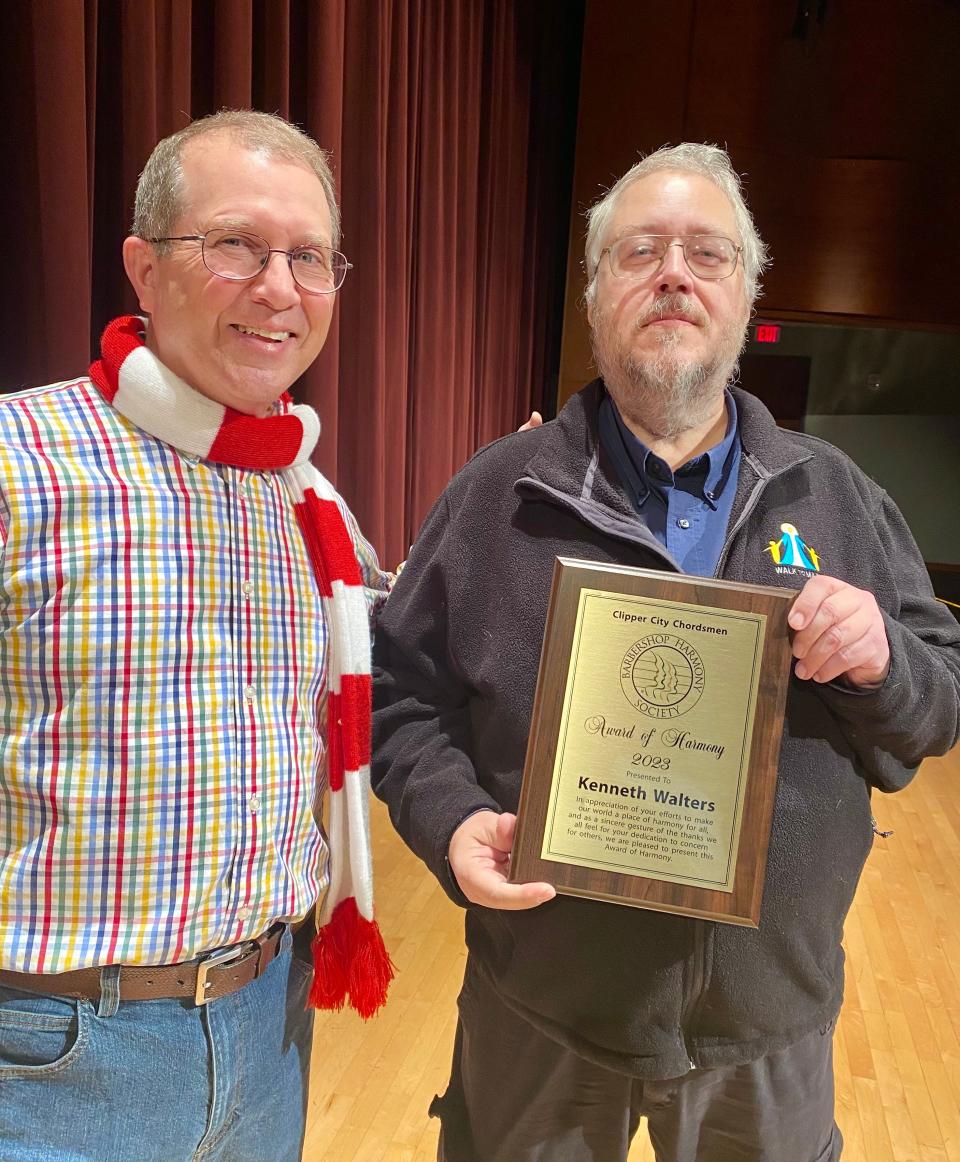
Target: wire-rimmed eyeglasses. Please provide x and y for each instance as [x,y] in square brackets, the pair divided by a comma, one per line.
[710,256]
[234,254]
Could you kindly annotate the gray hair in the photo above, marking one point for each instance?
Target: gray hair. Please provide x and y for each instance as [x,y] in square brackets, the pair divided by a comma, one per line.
[708,161]
[159,198]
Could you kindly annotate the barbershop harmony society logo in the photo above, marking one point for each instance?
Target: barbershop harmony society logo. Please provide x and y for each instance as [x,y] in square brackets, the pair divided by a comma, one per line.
[662,675]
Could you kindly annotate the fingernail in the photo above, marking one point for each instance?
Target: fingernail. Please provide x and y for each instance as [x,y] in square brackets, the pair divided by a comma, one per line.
[801,670]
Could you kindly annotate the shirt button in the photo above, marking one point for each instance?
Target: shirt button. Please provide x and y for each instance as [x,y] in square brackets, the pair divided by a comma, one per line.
[247,588]
[245,912]
[683,523]
[254,804]
[249,693]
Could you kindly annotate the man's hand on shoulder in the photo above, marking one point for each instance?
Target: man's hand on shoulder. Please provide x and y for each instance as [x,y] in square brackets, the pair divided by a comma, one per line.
[839,633]
[479,856]
[535,421]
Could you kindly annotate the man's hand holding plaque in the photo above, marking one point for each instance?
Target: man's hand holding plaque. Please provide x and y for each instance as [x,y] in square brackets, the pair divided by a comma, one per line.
[839,634]
[479,859]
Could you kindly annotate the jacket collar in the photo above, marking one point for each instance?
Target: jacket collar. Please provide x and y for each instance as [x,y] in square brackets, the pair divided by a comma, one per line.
[571,468]
[771,448]
[570,459]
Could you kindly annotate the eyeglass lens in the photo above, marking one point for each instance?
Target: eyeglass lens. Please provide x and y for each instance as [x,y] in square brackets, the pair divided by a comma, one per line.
[231,254]
[707,256]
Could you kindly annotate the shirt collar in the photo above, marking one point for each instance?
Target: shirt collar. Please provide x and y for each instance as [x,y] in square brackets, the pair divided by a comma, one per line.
[645,471]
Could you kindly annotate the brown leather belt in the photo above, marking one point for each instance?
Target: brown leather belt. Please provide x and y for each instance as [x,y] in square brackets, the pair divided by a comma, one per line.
[216,974]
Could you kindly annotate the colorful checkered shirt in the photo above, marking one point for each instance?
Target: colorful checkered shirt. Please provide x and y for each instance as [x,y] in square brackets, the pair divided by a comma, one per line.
[162,658]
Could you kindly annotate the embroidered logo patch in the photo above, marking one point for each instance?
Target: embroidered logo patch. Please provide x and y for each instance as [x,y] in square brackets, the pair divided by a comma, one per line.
[792,554]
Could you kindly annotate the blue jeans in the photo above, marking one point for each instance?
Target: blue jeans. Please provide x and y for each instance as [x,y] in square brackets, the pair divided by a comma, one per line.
[158,1080]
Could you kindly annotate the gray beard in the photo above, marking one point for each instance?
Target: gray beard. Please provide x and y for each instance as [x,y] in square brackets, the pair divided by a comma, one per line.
[665,393]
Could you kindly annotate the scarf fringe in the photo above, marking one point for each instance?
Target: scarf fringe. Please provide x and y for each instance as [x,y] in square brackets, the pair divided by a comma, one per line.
[350,959]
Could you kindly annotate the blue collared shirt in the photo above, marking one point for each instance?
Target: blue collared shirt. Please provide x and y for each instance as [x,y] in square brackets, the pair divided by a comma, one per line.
[687,510]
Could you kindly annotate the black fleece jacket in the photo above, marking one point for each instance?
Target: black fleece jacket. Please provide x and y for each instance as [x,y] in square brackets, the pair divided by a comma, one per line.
[456,658]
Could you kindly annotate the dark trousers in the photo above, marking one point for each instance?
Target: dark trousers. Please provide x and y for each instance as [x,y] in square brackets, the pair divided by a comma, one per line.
[516,1095]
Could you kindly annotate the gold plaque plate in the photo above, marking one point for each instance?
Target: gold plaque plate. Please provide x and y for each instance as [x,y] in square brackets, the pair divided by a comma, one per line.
[651,765]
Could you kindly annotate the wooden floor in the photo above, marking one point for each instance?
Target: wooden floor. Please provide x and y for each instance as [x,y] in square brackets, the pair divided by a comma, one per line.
[898,1040]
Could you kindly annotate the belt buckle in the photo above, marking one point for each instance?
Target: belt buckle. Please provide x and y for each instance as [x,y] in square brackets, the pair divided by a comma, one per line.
[215,960]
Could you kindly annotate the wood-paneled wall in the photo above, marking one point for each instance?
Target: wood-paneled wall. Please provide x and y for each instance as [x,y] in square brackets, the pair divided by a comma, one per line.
[844,123]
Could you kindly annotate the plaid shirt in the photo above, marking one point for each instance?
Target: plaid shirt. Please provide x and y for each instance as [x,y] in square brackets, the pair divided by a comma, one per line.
[162,659]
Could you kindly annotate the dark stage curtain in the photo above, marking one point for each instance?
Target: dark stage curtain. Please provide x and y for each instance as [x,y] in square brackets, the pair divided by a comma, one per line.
[451,125]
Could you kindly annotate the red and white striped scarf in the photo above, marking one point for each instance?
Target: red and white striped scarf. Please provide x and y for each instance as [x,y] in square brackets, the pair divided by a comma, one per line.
[349,956]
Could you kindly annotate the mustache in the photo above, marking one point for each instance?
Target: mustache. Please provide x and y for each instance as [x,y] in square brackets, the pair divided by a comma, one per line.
[674,305]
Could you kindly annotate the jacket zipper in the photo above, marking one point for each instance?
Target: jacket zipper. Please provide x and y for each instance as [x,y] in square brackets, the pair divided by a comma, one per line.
[695,995]
[752,501]
[698,955]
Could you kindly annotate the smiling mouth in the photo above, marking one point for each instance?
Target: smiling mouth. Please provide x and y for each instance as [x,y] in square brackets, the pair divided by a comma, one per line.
[262,333]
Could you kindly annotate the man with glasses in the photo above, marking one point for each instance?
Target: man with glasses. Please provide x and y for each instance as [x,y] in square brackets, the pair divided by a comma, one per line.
[184,644]
[579,1017]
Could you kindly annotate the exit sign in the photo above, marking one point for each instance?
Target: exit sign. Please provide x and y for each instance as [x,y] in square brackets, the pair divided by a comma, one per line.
[767,333]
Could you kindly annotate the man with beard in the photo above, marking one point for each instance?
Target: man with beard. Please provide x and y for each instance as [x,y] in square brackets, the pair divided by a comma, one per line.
[579,1017]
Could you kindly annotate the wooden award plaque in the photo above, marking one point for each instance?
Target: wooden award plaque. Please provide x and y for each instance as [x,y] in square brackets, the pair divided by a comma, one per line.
[651,767]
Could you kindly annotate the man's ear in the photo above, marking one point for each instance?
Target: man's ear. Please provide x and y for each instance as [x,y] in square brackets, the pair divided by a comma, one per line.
[140,263]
